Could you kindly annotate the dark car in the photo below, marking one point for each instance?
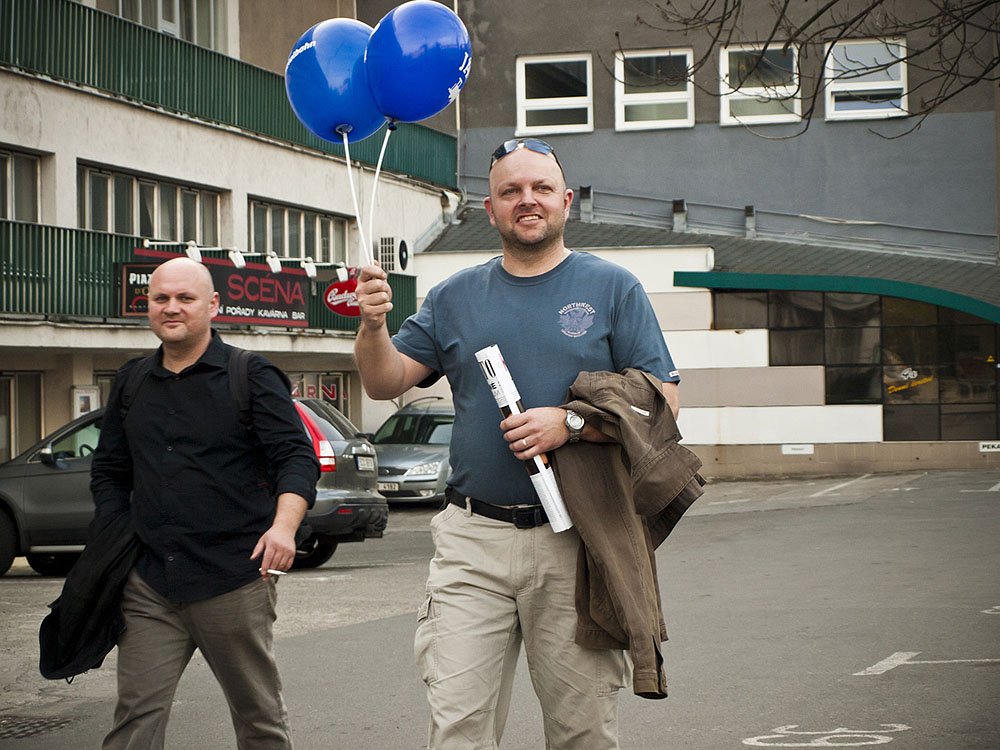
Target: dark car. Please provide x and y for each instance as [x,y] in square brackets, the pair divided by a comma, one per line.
[413,447]
[46,504]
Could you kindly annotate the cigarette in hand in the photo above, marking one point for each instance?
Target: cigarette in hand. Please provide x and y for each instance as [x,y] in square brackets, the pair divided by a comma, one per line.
[274,572]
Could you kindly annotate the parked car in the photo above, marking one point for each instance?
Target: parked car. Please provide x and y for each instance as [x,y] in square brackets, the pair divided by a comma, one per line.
[413,449]
[46,504]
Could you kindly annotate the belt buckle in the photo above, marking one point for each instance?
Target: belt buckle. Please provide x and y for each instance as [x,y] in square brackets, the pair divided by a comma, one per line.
[527,517]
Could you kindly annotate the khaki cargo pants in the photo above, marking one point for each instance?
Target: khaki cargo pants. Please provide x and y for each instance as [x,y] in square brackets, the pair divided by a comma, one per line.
[491,586]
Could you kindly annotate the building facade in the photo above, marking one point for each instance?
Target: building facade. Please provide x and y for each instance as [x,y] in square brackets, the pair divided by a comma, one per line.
[824,267]
[131,131]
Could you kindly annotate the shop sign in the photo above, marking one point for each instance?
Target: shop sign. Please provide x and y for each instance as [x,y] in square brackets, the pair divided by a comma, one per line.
[251,295]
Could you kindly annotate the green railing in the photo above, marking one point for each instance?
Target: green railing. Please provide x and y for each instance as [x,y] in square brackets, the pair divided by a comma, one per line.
[73,273]
[68,41]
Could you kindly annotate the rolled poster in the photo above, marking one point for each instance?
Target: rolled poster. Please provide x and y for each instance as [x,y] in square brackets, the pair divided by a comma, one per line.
[543,479]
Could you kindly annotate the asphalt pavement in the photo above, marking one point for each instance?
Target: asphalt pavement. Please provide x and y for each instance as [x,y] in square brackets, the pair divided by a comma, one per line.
[848,611]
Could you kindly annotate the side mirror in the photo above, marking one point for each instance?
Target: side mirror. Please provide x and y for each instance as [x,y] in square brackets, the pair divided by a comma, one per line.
[55,460]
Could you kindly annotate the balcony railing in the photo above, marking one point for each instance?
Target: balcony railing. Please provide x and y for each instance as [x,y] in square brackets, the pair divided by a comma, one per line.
[73,273]
[68,41]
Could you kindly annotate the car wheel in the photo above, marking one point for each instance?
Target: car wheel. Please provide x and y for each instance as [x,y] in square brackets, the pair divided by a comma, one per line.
[8,542]
[54,564]
[313,552]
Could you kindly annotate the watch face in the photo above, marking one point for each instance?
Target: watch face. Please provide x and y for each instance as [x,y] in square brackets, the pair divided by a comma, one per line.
[574,421]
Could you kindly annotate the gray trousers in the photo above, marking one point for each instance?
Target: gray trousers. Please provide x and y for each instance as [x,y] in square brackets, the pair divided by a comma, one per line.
[233,633]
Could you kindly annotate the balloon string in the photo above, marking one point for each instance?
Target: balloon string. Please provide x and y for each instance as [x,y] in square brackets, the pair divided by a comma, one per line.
[378,169]
[354,196]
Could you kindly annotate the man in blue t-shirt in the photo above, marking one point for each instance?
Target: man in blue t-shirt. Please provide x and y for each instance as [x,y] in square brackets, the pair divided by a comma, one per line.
[500,575]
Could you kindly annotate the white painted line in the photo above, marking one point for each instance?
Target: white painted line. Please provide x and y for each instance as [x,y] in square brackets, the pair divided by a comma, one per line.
[994,488]
[838,486]
[906,657]
[900,657]
[731,502]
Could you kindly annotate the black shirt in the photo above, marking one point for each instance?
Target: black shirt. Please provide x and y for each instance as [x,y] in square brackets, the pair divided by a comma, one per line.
[201,486]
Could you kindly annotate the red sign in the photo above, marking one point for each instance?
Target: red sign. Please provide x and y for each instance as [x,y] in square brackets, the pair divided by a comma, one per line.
[342,298]
[246,295]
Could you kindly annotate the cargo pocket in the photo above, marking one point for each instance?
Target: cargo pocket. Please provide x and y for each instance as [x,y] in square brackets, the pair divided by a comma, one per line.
[424,646]
[612,670]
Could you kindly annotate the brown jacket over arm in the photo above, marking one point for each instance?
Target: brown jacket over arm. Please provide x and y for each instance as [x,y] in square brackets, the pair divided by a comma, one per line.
[625,498]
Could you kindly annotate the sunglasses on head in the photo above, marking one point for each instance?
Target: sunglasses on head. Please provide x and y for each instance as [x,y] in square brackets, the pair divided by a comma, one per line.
[532,144]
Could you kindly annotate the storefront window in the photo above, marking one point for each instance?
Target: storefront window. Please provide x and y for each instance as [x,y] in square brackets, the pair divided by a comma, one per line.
[845,310]
[795,309]
[739,310]
[853,385]
[853,346]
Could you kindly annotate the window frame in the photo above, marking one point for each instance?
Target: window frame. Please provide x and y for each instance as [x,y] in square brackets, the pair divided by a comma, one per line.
[138,182]
[624,100]
[789,92]
[318,254]
[525,105]
[835,83]
[9,209]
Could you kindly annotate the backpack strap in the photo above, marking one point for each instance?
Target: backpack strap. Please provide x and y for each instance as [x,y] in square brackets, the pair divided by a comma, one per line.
[134,380]
[239,382]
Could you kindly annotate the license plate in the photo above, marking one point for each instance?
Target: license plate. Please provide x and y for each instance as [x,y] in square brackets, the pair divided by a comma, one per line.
[365,463]
[388,486]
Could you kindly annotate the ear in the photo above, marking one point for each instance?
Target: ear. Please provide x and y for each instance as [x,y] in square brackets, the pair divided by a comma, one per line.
[567,200]
[213,305]
[489,209]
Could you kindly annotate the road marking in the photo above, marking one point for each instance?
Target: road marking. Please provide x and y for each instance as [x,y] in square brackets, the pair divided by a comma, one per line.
[906,657]
[838,486]
[992,610]
[832,738]
[731,502]
[994,488]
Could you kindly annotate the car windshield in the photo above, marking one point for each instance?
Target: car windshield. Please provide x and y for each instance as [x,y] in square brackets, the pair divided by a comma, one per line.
[333,424]
[423,429]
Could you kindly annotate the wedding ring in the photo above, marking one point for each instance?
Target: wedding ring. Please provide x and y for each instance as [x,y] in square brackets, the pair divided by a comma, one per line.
[524,443]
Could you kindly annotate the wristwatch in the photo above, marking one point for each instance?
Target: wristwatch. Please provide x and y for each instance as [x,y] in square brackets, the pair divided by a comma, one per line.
[574,423]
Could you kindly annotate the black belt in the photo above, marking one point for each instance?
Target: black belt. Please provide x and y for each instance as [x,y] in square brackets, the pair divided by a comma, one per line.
[522,516]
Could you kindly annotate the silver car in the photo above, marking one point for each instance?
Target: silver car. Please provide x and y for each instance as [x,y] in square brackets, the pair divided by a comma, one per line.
[413,448]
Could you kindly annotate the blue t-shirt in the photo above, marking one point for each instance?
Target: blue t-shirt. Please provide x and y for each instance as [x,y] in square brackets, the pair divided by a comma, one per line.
[586,314]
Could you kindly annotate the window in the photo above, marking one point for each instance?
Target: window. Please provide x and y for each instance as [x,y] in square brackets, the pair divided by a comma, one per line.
[739,310]
[554,95]
[124,204]
[866,79]
[18,186]
[291,232]
[202,22]
[653,90]
[759,85]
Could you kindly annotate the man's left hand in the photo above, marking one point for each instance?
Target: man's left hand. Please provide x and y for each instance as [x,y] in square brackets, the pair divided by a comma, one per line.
[535,431]
[276,550]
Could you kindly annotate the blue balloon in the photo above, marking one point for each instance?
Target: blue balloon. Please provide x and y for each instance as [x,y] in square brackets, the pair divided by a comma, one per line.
[418,59]
[327,83]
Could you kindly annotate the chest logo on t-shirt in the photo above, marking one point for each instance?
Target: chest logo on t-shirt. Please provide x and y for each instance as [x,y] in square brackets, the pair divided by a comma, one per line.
[576,318]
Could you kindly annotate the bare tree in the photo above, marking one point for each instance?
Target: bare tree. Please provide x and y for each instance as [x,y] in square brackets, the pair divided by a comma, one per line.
[948,47]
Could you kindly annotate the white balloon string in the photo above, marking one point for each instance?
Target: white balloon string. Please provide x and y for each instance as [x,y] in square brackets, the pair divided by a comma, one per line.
[378,169]
[366,256]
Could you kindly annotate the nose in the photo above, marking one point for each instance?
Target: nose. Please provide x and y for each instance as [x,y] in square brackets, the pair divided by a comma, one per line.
[172,307]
